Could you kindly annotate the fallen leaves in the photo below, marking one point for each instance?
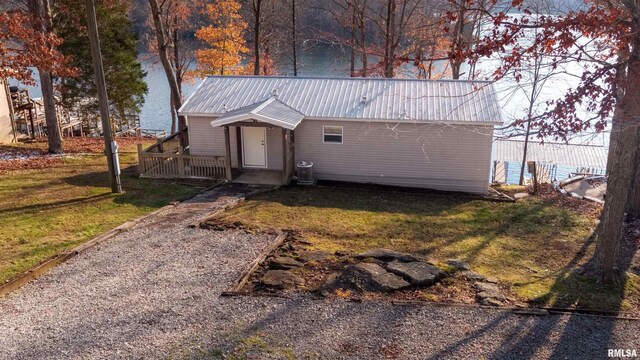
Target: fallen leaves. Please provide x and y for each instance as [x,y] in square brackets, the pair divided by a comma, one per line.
[33,155]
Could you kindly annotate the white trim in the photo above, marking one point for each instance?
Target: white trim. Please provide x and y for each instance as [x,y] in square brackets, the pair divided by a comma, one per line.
[258,117]
[266,157]
[333,142]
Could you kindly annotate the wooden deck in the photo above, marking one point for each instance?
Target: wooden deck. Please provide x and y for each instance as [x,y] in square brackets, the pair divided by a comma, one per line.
[177,164]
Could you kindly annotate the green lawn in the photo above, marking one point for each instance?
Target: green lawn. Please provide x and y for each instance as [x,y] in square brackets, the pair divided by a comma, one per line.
[45,211]
[532,245]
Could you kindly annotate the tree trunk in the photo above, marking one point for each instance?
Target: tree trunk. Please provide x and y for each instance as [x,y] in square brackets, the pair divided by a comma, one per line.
[352,46]
[389,53]
[257,11]
[363,43]
[620,169]
[633,205]
[54,135]
[457,44]
[163,53]
[294,36]
[173,116]
[41,11]
[532,100]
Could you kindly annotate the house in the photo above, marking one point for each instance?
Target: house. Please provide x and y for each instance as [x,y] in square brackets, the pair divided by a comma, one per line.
[7,132]
[413,133]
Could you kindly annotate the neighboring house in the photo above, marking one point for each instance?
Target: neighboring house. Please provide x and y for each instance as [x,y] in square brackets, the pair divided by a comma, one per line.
[7,134]
[414,133]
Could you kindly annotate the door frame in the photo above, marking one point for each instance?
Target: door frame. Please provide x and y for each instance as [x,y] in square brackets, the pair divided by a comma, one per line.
[264,131]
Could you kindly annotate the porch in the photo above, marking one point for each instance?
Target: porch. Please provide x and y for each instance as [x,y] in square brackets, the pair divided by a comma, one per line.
[255,152]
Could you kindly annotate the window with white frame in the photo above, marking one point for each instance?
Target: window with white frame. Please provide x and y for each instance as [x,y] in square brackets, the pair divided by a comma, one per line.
[332,134]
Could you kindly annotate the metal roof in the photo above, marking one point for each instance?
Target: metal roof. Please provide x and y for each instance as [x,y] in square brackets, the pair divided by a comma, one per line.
[400,100]
[558,153]
[271,111]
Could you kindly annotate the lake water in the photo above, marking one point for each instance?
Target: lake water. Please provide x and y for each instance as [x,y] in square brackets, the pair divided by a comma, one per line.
[155,112]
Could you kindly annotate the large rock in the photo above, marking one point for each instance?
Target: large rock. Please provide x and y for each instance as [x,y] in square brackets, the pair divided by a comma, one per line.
[282,279]
[385,255]
[417,273]
[284,262]
[369,277]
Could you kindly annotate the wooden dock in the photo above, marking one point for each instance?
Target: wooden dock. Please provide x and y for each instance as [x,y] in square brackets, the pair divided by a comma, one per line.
[30,121]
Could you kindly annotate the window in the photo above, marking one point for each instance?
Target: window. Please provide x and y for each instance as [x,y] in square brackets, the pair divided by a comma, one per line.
[332,134]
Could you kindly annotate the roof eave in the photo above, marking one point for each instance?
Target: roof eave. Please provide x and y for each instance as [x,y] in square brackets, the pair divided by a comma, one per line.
[258,117]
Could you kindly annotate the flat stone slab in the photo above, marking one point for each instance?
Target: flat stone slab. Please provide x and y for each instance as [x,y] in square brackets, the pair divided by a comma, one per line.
[521,195]
[282,279]
[385,255]
[458,264]
[486,287]
[490,301]
[473,276]
[284,262]
[313,255]
[369,277]
[417,272]
[489,294]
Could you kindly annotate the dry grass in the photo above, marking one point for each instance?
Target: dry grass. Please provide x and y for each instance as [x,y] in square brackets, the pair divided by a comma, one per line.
[532,246]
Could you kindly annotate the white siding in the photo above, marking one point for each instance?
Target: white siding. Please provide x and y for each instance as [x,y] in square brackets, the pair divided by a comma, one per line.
[207,140]
[274,148]
[437,156]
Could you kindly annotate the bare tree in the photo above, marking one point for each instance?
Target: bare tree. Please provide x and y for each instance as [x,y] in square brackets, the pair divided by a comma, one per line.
[394,20]
[463,31]
[352,16]
[163,41]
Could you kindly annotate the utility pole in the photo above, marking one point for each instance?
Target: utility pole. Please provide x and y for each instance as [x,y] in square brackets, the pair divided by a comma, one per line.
[111,148]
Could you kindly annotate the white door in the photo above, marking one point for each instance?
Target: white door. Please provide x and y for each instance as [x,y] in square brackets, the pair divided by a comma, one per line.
[254,147]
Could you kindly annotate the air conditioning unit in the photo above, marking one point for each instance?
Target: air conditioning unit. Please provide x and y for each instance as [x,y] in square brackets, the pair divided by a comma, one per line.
[304,172]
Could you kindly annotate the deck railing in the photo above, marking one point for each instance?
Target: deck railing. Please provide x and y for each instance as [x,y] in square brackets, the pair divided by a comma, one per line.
[177,164]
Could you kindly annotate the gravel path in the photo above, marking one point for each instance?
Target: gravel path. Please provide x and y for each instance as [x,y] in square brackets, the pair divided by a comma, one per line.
[153,292]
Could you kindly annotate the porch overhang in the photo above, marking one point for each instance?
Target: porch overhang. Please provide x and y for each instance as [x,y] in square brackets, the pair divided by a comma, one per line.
[270,111]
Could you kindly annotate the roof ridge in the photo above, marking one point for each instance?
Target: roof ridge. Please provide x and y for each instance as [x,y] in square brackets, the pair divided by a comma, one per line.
[347,78]
[261,106]
[289,106]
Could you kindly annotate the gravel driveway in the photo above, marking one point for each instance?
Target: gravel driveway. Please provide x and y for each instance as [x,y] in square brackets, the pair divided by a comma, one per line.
[153,292]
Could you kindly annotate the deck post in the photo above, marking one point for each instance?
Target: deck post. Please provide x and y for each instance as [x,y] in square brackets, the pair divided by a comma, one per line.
[180,161]
[292,146]
[160,145]
[140,160]
[239,146]
[284,155]
[227,147]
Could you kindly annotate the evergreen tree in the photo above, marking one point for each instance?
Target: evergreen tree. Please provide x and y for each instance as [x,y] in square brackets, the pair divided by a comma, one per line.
[123,73]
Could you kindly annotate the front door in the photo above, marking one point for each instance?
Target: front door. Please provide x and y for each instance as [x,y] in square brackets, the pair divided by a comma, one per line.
[254,149]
